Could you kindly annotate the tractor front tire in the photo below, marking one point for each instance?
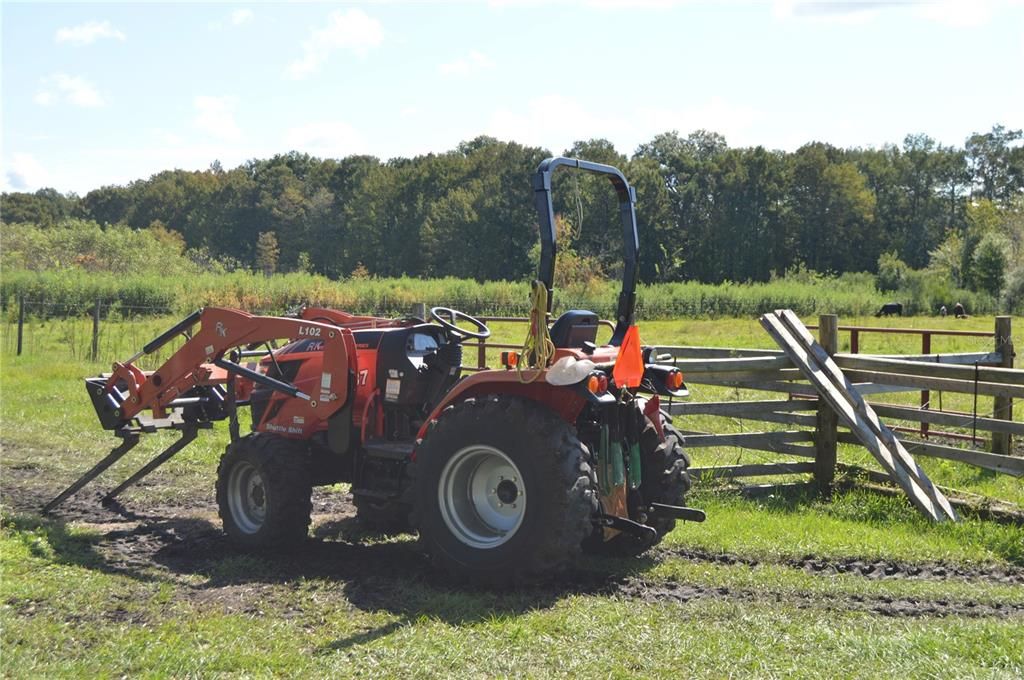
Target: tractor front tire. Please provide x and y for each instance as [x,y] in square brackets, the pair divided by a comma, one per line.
[264,491]
[504,492]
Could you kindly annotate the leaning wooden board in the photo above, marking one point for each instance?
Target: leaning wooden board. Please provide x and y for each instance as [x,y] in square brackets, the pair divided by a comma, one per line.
[812,359]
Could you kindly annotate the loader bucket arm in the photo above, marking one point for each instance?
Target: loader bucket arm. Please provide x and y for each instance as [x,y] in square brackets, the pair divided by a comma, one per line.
[201,362]
[548,245]
[199,367]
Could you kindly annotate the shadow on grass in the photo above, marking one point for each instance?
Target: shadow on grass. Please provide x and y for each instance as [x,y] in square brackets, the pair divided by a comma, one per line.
[376,574]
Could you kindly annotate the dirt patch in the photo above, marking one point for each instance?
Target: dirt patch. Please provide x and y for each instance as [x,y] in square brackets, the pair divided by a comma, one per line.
[873,569]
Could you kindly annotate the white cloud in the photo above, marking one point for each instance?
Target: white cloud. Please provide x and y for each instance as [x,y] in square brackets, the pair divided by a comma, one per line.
[216,117]
[839,12]
[328,139]
[240,16]
[62,87]
[352,30]
[957,13]
[88,33]
[24,173]
[473,63]
[595,4]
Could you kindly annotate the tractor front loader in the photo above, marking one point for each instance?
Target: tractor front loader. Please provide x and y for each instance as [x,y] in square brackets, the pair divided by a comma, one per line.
[506,474]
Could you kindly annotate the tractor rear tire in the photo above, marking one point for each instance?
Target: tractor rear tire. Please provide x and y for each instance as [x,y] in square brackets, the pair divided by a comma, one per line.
[664,479]
[504,492]
[264,492]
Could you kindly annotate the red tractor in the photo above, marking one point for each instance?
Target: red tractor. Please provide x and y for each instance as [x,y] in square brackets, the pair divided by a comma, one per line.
[505,474]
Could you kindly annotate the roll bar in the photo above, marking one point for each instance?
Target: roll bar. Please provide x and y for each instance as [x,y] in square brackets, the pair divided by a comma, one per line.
[548,246]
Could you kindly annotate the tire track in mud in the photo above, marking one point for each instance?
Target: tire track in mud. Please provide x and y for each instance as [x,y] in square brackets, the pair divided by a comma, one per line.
[871,569]
[670,591]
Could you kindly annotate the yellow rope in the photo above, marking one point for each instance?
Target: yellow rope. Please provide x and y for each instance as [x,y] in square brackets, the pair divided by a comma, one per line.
[537,348]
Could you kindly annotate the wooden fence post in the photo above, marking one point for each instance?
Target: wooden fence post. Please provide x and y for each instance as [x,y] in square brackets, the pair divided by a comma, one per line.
[21,320]
[96,330]
[827,419]
[1003,406]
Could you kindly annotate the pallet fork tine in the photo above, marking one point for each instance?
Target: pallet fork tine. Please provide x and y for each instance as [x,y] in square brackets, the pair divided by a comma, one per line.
[115,455]
[189,433]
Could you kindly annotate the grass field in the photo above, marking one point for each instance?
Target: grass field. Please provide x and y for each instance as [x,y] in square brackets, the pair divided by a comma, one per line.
[787,585]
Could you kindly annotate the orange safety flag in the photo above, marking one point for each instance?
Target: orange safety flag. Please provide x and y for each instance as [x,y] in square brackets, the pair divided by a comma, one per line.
[629,367]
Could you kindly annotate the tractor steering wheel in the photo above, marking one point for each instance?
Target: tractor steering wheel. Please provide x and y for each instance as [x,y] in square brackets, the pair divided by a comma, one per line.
[453,316]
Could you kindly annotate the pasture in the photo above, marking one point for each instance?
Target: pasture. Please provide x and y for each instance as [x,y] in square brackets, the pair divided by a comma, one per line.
[782,585]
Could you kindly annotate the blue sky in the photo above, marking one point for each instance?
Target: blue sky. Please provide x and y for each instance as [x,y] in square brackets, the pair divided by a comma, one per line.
[96,94]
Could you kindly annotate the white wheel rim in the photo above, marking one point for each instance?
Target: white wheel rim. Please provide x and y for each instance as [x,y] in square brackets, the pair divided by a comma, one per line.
[247,497]
[481,496]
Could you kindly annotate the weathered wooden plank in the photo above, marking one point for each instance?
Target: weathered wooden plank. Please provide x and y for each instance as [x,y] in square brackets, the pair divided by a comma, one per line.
[1005,376]
[752,470]
[739,408]
[715,352]
[905,462]
[945,384]
[1002,407]
[762,441]
[771,363]
[946,418]
[765,386]
[873,388]
[1008,465]
[793,337]
[785,418]
[745,376]
[826,418]
[958,359]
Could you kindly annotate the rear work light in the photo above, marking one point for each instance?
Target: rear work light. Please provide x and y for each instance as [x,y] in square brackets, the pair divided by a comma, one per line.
[674,380]
[597,383]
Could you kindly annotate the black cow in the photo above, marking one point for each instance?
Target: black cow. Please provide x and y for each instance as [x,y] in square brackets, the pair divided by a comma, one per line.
[959,312]
[890,308]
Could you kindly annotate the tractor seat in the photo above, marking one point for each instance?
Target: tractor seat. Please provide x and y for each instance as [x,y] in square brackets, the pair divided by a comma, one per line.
[573,329]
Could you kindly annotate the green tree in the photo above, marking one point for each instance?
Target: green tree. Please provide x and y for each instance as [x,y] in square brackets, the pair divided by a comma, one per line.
[995,163]
[892,272]
[267,252]
[990,261]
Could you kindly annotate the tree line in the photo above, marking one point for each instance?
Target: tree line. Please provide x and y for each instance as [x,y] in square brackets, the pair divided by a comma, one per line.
[706,211]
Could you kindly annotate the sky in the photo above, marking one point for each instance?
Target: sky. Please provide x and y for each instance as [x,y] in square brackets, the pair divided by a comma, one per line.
[98,94]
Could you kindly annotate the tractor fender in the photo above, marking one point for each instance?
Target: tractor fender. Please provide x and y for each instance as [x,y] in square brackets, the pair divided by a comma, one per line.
[565,402]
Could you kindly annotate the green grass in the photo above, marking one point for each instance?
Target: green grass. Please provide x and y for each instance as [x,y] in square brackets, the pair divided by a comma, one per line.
[69,607]
[110,625]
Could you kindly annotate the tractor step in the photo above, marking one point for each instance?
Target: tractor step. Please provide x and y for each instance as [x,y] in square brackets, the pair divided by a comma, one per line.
[678,512]
[628,526]
[388,450]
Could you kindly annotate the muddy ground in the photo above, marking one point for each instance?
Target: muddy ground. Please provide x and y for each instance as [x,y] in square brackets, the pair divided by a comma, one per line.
[182,543]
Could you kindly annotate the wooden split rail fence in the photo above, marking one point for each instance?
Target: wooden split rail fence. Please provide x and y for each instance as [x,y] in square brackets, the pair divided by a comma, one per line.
[816,431]
[813,428]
